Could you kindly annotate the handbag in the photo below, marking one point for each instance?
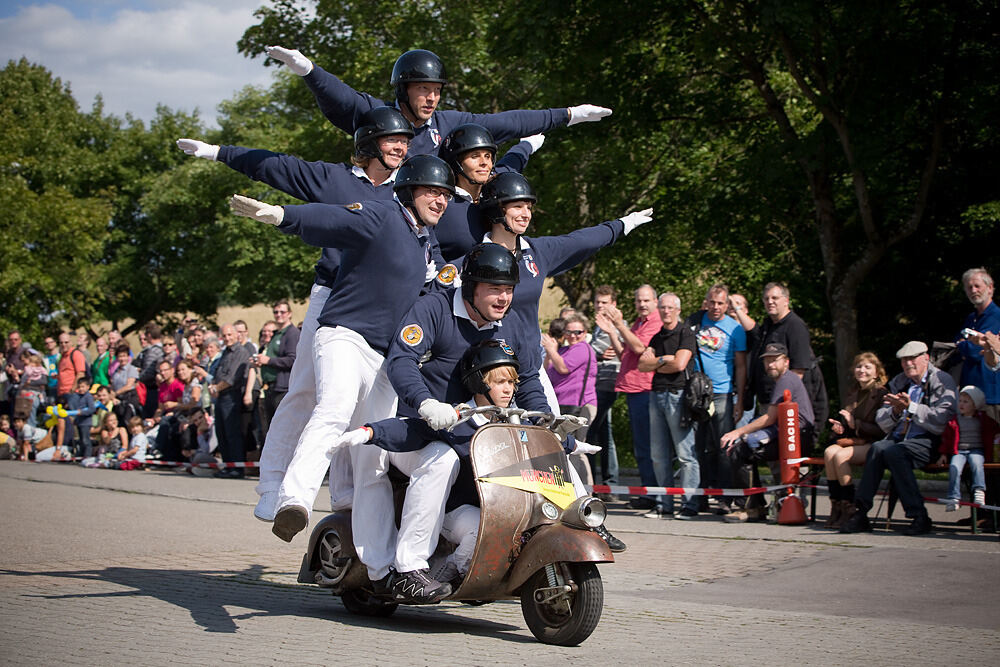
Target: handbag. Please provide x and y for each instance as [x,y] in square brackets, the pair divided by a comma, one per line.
[699,397]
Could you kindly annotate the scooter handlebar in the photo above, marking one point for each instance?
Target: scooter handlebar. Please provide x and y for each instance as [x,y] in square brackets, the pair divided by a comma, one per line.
[560,424]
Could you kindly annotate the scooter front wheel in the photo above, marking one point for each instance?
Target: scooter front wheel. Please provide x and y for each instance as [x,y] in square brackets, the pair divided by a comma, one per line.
[361,603]
[562,602]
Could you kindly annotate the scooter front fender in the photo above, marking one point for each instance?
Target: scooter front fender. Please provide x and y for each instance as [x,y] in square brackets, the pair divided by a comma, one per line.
[557,543]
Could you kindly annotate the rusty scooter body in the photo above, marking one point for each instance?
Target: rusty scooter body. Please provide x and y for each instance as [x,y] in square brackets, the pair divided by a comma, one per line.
[535,541]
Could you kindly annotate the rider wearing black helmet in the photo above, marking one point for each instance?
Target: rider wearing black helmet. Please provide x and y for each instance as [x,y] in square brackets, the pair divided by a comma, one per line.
[428,177]
[471,153]
[417,79]
[384,134]
[387,124]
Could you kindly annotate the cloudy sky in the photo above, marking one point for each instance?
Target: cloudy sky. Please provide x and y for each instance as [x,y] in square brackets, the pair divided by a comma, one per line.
[137,53]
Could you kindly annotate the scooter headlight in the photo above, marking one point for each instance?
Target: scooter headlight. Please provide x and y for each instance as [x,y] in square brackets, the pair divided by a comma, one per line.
[585,512]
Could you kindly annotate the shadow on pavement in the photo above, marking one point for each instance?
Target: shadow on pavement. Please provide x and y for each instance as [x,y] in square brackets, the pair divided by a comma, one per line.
[207,593]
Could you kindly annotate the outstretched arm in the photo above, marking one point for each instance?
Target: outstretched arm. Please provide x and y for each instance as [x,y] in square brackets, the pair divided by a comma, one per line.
[341,104]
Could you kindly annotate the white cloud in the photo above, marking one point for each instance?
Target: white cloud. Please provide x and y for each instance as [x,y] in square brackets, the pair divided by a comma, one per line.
[181,54]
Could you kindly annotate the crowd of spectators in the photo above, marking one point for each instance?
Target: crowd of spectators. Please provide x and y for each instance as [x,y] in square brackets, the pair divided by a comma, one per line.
[195,396]
[201,395]
[925,414]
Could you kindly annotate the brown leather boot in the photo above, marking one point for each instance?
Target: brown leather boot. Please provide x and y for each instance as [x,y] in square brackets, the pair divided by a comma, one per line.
[836,508]
[847,510]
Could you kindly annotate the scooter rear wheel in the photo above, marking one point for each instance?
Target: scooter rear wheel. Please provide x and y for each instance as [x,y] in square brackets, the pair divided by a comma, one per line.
[361,603]
[564,619]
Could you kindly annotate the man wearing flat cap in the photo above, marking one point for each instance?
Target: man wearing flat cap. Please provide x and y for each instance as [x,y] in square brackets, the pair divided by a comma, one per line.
[758,441]
[919,404]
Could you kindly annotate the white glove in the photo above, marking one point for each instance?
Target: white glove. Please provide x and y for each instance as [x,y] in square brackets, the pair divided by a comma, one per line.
[587,113]
[358,436]
[585,448]
[633,220]
[439,415]
[296,62]
[536,141]
[431,272]
[258,210]
[198,148]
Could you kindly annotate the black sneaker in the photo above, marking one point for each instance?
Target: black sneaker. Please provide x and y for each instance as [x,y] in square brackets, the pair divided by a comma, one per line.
[858,523]
[616,545]
[417,587]
[686,514]
[382,588]
[920,526]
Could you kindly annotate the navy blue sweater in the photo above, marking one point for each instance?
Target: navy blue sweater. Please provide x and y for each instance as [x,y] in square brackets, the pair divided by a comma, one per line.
[547,256]
[318,182]
[343,106]
[382,269]
[430,341]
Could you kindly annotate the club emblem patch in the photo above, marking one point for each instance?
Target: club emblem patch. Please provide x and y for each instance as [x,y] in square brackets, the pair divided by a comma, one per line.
[506,348]
[446,276]
[356,206]
[411,334]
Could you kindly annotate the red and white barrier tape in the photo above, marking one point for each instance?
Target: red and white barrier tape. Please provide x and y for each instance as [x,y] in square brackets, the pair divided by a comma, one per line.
[680,491]
[186,464]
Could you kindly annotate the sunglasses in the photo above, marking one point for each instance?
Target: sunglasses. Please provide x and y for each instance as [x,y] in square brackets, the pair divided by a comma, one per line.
[573,332]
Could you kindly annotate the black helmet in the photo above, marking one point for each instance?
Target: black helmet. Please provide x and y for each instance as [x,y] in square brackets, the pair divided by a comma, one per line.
[375,123]
[422,170]
[413,66]
[461,140]
[505,188]
[488,263]
[480,359]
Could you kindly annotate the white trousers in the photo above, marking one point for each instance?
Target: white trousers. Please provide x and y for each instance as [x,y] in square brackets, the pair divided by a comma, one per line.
[461,528]
[351,388]
[432,470]
[295,408]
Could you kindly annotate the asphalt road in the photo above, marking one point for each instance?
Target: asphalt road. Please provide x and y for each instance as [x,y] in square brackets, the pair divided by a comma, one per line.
[109,567]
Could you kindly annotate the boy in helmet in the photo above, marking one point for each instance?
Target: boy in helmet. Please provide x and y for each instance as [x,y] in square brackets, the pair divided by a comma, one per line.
[417,78]
[489,372]
[386,253]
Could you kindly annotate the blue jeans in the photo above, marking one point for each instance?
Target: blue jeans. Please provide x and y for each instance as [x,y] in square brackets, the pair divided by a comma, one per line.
[600,434]
[976,460]
[666,438]
[638,415]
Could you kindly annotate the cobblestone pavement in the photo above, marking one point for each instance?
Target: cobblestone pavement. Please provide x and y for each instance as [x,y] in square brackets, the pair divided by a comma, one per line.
[108,567]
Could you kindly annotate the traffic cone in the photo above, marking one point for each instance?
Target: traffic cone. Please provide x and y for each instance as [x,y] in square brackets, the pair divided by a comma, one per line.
[791,512]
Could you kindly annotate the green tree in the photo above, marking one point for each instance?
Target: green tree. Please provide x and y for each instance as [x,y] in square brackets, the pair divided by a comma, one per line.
[53,224]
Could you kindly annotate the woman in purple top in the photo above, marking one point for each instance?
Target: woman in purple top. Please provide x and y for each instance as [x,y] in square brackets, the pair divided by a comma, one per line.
[572,369]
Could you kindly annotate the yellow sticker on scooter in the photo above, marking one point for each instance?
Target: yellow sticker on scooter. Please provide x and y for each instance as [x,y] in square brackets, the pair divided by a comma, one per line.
[540,475]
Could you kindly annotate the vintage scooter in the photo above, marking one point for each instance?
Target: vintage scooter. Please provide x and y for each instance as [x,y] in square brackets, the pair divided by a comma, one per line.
[535,541]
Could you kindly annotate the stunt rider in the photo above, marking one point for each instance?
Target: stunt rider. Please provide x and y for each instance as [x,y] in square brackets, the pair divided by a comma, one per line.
[417,77]
[380,146]
[386,253]
[489,372]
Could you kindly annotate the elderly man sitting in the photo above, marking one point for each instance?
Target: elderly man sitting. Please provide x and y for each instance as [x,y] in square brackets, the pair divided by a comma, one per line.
[919,404]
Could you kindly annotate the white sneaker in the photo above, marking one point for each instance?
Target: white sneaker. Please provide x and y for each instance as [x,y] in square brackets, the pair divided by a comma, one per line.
[951,506]
[267,506]
[979,496]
